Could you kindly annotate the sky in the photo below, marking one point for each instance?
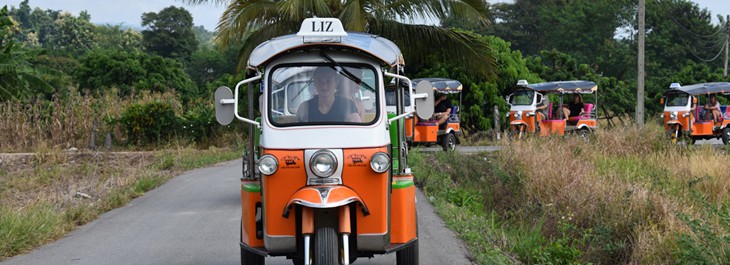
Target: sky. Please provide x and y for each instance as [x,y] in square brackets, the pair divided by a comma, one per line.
[129,12]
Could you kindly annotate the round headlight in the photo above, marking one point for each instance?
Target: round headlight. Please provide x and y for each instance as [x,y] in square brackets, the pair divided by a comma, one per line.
[323,163]
[268,164]
[380,162]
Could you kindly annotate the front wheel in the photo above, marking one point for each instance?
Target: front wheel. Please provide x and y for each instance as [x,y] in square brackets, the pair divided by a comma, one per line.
[408,255]
[326,247]
[726,135]
[674,134]
[448,142]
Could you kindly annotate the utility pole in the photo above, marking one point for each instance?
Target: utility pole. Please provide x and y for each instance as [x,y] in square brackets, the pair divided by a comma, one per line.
[727,38]
[640,88]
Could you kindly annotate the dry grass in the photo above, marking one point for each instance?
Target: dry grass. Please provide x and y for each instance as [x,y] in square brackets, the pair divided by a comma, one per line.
[65,121]
[629,182]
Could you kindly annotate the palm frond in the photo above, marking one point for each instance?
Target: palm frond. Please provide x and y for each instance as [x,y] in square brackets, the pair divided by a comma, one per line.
[420,41]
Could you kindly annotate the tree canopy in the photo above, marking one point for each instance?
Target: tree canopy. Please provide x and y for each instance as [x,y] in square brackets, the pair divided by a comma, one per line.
[169,33]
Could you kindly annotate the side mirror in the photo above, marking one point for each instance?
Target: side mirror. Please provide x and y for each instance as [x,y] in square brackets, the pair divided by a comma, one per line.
[508,98]
[224,109]
[661,101]
[424,106]
[539,98]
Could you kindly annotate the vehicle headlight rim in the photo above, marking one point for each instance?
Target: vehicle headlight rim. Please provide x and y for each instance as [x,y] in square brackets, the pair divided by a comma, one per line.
[380,162]
[268,164]
[313,163]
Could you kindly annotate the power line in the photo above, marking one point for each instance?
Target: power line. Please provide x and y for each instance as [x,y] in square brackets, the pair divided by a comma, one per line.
[673,19]
[712,41]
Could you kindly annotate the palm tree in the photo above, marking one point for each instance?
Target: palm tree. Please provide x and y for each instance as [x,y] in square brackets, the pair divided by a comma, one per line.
[254,21]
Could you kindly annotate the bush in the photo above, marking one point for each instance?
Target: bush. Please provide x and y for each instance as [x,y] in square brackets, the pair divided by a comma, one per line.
[147,123]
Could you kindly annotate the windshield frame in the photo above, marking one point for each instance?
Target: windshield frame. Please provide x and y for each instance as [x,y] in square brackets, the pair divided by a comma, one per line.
[376,87]
[522,91]
[675,95]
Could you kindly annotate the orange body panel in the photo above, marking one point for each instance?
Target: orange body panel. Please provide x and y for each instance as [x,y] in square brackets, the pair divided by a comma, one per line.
[529,120]
[589,123]
[684,121]
[248,215]
[409,126]
[371,186]
[403,211]
[702,128]
[425,133]
[344,216]
[552,127]
[277,188]
[454,126]
[307,221]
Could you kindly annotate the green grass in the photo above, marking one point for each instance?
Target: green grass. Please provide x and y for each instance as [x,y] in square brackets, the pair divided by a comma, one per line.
[23,229]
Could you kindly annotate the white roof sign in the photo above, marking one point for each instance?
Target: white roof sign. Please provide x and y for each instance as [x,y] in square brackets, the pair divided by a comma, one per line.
[321,27]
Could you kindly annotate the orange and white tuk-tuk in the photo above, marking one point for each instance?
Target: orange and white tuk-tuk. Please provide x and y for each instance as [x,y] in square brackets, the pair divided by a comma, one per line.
[525,102]
[429,131]
[684,117]
[329,180]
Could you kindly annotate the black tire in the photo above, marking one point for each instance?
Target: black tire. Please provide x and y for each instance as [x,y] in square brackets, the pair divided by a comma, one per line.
[326,247]
[408,255]
[250,258]
[448,142]
[726,135]
[584,134]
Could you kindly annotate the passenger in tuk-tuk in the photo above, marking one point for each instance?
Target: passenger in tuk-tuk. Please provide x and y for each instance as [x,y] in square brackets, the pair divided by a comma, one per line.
[326,106]
[442,108]
[712,109]
[574,108]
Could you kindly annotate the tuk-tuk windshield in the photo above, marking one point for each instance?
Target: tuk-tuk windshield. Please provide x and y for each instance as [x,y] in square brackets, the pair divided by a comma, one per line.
[522,97]
[677,99]
[322,95]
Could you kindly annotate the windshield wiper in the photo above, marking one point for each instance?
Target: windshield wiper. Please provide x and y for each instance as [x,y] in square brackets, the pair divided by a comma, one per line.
[345,72]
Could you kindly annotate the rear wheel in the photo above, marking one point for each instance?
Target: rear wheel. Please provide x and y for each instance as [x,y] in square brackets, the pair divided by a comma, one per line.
[448,142]
[326,247]
[408,255]
[726,135]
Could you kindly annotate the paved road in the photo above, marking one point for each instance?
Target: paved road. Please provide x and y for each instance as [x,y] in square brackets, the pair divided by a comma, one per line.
[194,219]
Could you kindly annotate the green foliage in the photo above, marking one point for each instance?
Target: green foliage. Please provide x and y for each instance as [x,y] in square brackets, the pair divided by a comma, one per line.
[132,73]
[149,123]
[170,33]
[207,64]
[114,38]
[707,243]
[19,77]
[480,95]
[198,122]
[72,35]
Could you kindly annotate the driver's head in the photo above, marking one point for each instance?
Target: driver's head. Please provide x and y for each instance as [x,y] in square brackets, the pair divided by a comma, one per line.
[325,80]
[713,99]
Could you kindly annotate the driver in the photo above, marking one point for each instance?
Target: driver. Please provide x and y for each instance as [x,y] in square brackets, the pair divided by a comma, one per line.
[326,106]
